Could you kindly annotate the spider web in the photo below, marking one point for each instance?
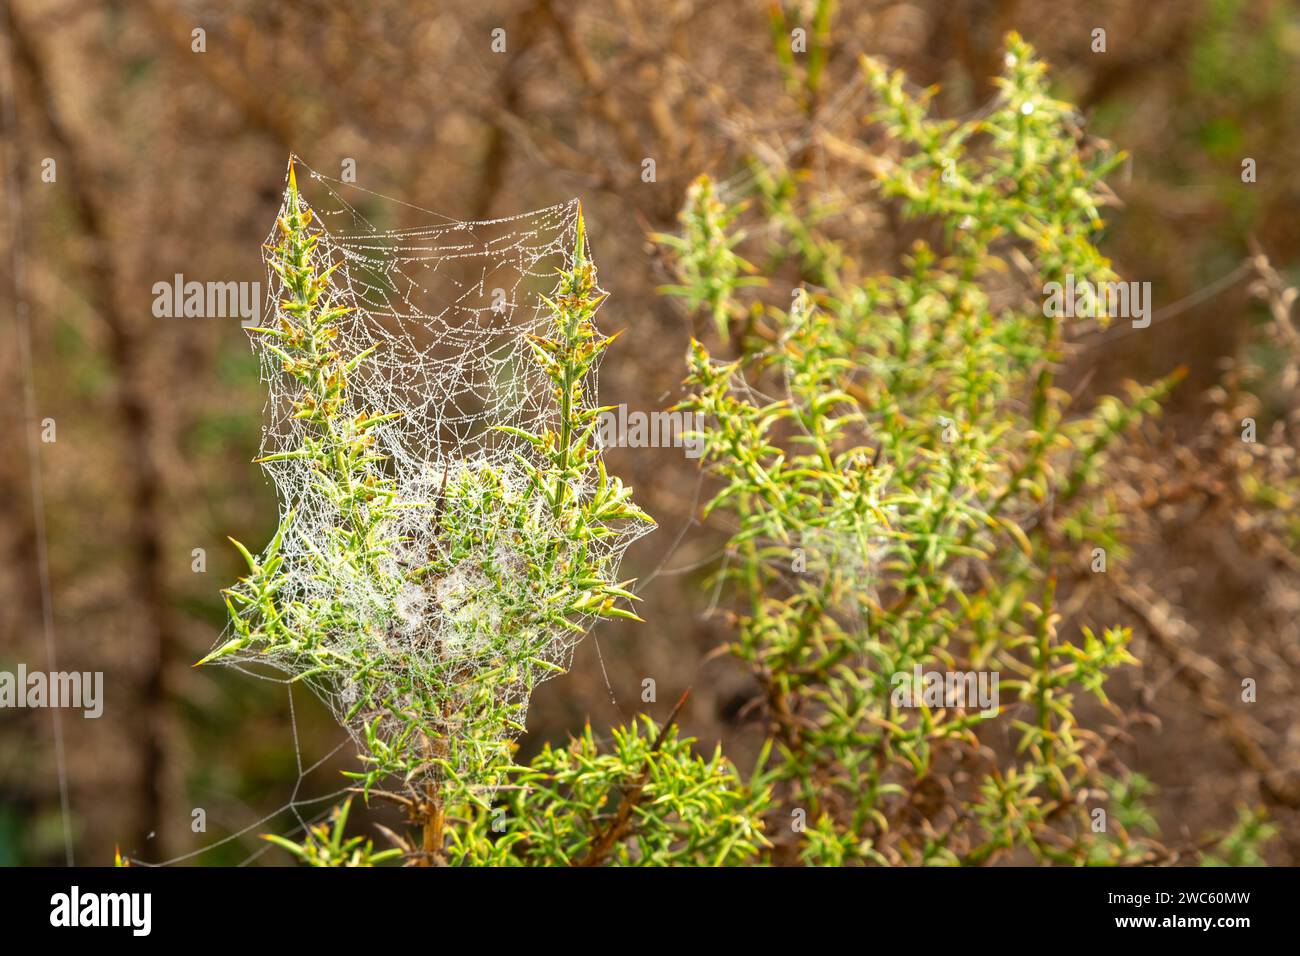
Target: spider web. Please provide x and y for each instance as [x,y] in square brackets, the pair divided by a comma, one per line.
[448,308]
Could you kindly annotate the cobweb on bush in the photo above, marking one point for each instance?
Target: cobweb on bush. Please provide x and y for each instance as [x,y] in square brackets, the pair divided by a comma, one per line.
[448,307]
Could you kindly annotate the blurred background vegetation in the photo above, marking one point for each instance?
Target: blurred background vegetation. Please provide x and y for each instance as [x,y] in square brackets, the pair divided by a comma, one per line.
[172,161]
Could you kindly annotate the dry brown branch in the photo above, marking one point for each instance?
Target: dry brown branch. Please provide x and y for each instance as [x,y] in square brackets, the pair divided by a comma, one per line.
[619,827]
[138,421]
[1202,676]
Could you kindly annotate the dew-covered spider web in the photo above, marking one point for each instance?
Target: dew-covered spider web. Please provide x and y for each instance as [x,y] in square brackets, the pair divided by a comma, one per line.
[444,311]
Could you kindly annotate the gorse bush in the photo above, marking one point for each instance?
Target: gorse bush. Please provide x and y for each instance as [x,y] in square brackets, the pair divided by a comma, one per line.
[328,846]
[908,487]
[647,800]
[908,493]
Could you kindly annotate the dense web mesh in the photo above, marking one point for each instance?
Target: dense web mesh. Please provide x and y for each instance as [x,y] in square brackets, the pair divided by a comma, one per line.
[448,308]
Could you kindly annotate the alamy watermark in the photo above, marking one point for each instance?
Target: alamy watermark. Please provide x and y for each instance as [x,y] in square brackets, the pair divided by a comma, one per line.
[84,691]
[972,690]
[620,428]
[133,911]
[179,299]
[1083,299]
